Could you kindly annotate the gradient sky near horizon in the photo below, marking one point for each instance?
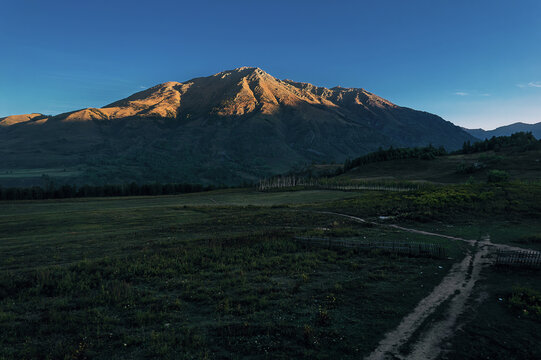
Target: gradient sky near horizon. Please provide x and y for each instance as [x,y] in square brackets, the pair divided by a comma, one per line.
[475,63]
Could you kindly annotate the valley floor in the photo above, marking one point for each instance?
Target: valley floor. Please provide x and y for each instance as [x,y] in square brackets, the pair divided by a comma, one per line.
[221,275]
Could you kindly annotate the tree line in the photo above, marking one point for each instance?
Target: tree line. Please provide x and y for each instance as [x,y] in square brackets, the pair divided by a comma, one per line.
[427,152]
[73,191]
[523,141]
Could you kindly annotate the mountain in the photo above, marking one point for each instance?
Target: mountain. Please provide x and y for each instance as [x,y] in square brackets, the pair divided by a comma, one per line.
[507,130]
[234,126]
[18,119]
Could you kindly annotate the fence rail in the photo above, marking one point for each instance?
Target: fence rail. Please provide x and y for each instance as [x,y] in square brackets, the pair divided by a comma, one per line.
[290,182]
[401,247]
[519,258]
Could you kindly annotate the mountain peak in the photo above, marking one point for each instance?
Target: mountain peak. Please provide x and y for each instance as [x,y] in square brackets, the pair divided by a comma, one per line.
[243,71]
[241,91]
[249,68]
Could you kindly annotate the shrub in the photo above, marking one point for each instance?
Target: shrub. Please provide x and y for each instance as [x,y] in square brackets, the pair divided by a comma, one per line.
[495,176]
[323,318]
[527,301]
[464,168]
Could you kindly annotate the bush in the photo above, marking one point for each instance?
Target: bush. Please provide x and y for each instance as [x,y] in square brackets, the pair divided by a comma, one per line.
[526,301]
[495,176]
[464,168]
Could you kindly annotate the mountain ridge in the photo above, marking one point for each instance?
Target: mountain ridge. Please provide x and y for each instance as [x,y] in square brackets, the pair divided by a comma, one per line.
[507,130]
[135,103]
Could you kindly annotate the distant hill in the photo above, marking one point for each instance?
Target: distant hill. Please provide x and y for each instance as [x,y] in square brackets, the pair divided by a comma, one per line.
[234,126]
[507,130]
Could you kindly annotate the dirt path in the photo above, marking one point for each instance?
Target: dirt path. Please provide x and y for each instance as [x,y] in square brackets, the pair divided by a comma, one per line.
[451,295]
[392,341]
[428,346]
[471,242]
[486,241]
[358,219]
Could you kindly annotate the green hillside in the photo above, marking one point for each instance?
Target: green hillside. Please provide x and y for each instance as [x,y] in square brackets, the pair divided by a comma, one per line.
[520,159]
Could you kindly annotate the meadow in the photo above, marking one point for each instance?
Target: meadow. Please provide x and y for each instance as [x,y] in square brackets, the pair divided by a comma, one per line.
[219,274]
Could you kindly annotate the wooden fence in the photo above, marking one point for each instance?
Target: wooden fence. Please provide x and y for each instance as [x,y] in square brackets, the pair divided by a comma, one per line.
[401,247]
[519,258]
[291,182]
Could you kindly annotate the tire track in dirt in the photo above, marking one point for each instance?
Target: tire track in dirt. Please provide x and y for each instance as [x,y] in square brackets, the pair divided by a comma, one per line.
[392,341]
[428,233]
[429,345]
[358,219]
[415,231]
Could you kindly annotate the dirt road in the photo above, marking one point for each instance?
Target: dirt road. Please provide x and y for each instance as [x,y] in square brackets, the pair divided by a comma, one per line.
[418,338]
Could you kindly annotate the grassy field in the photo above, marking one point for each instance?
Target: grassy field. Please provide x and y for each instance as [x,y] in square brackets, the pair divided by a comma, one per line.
[501,327]
[219,274]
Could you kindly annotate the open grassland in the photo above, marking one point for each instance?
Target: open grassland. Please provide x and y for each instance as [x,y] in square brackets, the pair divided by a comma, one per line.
[198,276]
[219,274]
[263,295]
[505,325]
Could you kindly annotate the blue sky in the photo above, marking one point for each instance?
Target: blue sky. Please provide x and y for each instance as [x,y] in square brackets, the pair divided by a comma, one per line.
[476,63]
